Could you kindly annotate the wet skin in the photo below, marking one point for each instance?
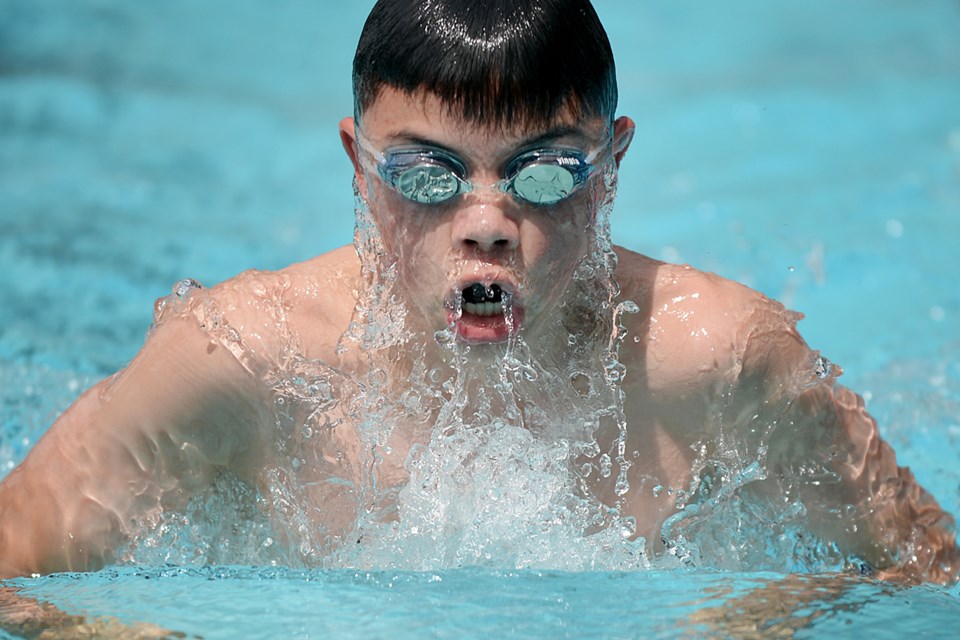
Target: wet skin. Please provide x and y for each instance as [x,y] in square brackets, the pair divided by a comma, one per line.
[485,236]
[707,359]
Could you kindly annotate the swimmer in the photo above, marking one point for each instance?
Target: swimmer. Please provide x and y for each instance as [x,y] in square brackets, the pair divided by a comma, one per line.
[486,151]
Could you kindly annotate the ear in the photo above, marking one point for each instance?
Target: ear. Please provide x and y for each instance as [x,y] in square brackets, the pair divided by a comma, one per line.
[623,130]
[348,138]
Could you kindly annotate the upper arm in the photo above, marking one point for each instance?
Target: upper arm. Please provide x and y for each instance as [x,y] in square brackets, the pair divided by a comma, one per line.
[821,443]
[147,438]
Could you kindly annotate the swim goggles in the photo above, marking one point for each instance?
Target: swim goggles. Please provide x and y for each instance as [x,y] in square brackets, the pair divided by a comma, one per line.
[431,176]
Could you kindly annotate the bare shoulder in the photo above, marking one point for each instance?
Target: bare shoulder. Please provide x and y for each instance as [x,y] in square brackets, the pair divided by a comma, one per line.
[693,328]
[304,307]
[321,299]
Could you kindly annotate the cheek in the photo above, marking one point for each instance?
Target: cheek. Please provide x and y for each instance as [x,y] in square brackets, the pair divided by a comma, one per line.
[560,237]
[395,221]
[416,241]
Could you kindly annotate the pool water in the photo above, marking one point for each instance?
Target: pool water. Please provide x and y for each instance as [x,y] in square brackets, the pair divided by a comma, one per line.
[230,602]
[811,150]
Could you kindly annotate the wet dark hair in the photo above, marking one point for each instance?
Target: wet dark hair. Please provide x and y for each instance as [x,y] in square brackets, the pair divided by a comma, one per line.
[493,62]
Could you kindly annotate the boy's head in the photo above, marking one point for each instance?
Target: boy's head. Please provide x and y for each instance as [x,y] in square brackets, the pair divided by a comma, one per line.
[496,63]
[484,145]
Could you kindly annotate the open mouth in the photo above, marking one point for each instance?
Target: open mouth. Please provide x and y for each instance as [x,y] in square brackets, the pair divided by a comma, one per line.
[480,300]
[485,313]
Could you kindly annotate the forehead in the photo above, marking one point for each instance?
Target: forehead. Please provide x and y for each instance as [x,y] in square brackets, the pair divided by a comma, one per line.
[395,115]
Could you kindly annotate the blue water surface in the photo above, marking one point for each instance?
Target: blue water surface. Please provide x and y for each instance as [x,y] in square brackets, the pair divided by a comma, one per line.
[809,149]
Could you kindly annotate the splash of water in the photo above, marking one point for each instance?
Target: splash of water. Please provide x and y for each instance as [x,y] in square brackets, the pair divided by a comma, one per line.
[438,453]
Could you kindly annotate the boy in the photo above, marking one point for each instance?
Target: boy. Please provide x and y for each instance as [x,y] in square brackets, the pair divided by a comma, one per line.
[482,346]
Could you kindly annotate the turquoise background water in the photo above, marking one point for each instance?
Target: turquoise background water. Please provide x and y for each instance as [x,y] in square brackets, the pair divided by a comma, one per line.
[810,149]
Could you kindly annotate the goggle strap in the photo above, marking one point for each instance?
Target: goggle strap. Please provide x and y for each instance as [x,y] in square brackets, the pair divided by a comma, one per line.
[366,145]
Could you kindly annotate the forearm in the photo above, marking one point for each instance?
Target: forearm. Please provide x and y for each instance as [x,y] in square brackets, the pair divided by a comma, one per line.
[821,445]
[857,495]
[102,467]
[47,525]
[144,441]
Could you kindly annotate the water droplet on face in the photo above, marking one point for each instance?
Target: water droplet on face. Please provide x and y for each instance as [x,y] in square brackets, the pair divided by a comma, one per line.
[580,383]
[183,288]
[629,306]
[615,372]
[411,400]
[606,465]
[822,368]
[445,338]
[657,490]
[622,486]
[590,449]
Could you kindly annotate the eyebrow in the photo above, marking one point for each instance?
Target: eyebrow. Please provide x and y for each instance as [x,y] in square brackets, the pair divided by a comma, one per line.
[538,139]
[552,134]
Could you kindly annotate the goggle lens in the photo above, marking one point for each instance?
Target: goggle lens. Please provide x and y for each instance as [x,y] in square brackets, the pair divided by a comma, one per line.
[427,184]
[433,176]
[542,183]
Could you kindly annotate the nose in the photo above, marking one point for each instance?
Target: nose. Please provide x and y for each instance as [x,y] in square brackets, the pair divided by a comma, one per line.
[486,228]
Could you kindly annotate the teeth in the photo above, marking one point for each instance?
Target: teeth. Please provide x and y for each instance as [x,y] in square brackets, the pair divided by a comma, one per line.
[483,308]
